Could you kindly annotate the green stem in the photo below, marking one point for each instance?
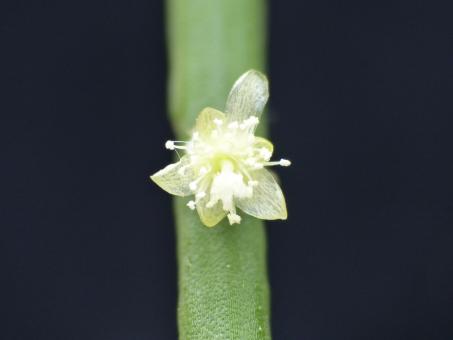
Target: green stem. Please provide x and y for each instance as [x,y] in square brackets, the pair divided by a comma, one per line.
[223,287]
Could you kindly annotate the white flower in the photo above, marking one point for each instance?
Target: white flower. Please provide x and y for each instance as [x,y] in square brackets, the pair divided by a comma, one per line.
[224,162]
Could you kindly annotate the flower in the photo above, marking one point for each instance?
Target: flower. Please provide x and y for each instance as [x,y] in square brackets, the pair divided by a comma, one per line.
[224,166]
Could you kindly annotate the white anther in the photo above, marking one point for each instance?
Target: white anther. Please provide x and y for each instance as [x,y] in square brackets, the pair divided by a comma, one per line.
[252,120]
[218,122]
[200,195]
[234,218]
[193,185]
[170,145]
[233,125]
[176,144]
[191,205]
[265,153]
[285,162]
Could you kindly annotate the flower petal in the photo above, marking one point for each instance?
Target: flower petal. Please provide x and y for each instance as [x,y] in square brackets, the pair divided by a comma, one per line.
[267,202]
[248,96]
[175,178]
[210,216]
[205,120]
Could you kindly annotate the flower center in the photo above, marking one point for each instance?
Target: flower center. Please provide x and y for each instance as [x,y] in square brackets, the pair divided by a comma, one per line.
[224,161]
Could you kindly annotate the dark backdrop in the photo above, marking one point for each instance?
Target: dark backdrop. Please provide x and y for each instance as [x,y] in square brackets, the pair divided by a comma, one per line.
[360,102]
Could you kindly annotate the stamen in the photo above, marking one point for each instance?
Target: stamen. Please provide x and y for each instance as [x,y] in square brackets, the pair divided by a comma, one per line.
[281,162]
[218,122]
[254,163]
[234,218]
[191,205]
[243,169]
[193,185]
[265,153]
[250,122]
[253,120]
[171,145]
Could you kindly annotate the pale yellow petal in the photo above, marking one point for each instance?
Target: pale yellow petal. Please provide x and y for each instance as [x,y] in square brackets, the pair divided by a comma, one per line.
[205,120]
[248,96]
[267,202]
[175,178]
[210,216]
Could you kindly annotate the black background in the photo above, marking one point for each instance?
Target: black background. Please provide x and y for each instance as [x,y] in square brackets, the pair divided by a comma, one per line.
[361,102]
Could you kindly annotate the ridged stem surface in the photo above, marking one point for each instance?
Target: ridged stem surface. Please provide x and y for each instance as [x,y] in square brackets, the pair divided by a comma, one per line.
[223,286]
